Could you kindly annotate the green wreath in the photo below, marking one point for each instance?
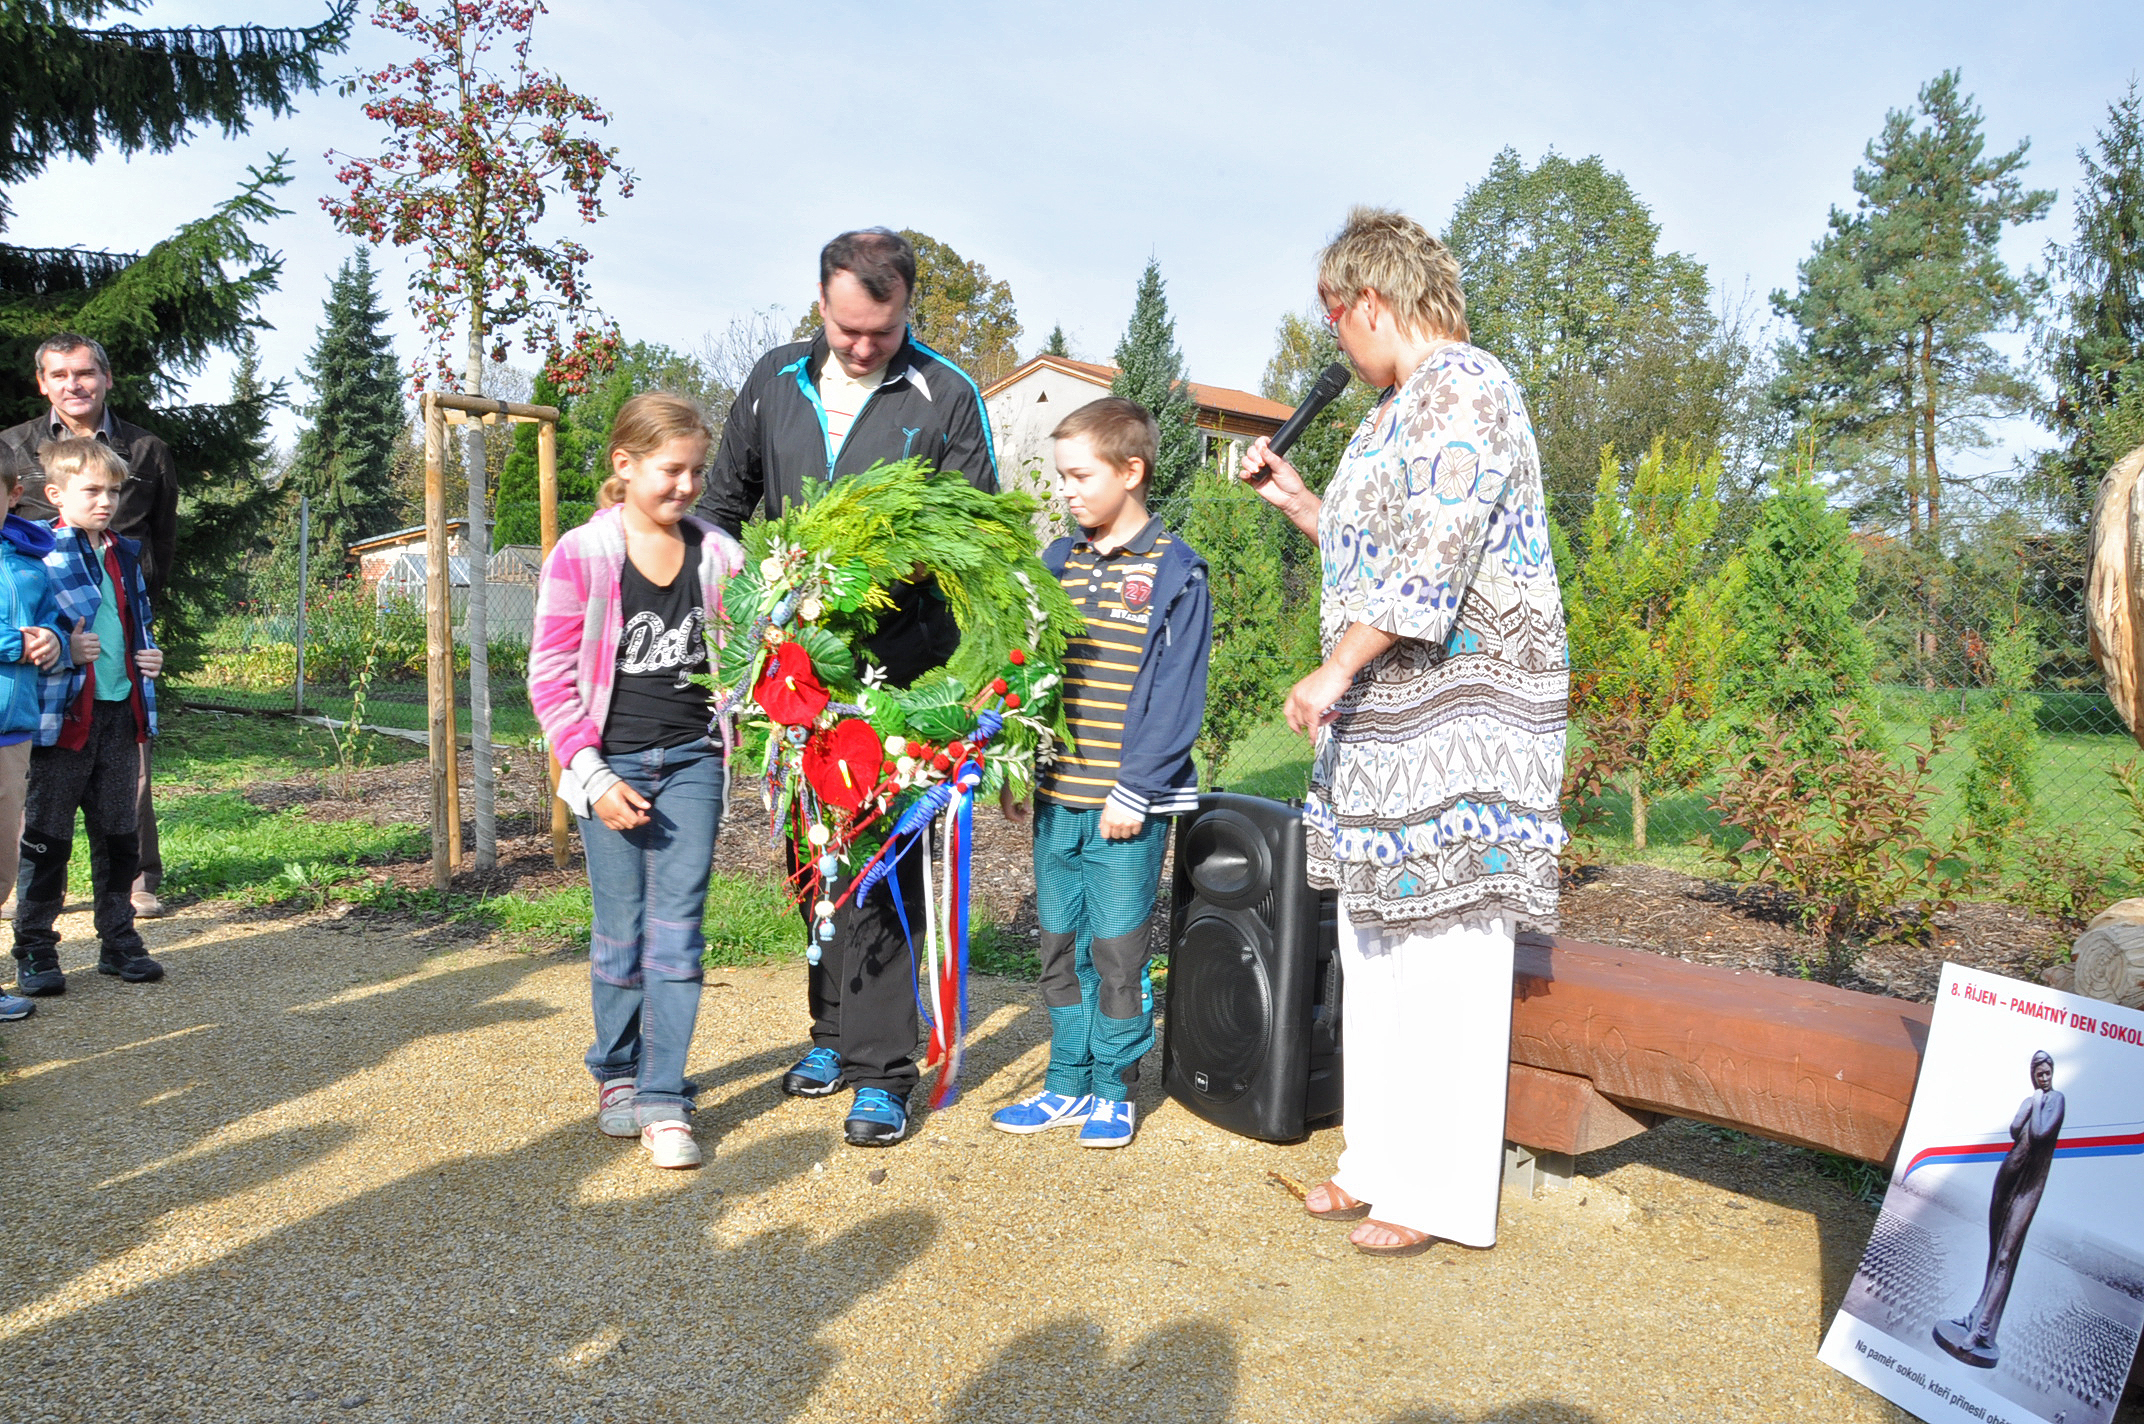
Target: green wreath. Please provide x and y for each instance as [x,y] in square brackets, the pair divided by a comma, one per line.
[815,578]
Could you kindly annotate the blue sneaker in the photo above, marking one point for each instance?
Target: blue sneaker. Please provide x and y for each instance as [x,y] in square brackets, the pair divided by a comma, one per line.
[13,1008]
[817,1075]
[1044,1110]
[876,1119]
[1109,1124]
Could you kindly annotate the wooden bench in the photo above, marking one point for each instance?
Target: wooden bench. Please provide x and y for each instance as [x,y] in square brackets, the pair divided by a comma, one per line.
[1606,1041]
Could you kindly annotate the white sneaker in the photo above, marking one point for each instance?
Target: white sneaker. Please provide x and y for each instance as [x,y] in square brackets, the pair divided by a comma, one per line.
[670,1143]
[614,1109]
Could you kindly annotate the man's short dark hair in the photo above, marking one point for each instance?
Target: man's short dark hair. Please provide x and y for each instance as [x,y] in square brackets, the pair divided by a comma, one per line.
[66,341]
[876,257]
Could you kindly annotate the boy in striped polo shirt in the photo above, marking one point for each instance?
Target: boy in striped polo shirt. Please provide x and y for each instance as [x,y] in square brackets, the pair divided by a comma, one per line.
[1135,693]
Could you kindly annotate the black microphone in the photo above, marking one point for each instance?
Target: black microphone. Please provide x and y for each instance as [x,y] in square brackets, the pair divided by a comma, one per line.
[1331,382]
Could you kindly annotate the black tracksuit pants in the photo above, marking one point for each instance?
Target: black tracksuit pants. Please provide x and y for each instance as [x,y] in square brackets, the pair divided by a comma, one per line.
[863,989]
[102,781]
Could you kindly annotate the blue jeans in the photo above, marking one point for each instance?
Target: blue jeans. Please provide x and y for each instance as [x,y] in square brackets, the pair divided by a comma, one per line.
[649,885]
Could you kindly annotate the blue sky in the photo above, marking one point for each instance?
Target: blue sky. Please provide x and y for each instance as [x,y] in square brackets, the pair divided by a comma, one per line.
[1062,145]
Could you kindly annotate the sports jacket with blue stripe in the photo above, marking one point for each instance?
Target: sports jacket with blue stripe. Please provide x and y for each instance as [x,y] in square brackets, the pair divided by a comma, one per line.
[774,447]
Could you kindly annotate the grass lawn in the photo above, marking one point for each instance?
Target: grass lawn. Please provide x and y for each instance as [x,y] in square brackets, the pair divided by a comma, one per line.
[218,844]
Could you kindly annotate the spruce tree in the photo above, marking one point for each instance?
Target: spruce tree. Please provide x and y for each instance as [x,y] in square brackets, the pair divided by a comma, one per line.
[1240,535]
[73,91]
[1652,642]
[345,457]
[222,510]
[1802,652]
[2098,329]
[1057,345]
[1150,370]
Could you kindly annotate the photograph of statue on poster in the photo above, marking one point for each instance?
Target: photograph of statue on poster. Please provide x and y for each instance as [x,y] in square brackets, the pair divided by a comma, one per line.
[2004,1281]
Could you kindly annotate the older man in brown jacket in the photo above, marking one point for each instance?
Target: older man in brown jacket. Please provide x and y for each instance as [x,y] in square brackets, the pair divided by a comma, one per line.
[74,374]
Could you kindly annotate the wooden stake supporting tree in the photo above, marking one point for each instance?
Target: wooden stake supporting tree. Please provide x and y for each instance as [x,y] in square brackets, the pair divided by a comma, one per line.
[440,411]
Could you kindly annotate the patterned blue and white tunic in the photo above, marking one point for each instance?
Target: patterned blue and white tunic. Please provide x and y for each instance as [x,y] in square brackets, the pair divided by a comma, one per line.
[1434,795]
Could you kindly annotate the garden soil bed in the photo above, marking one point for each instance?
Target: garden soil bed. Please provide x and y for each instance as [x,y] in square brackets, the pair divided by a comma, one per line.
[1635,906]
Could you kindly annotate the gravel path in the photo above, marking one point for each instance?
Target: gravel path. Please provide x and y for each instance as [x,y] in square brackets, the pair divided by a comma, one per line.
[333,1171]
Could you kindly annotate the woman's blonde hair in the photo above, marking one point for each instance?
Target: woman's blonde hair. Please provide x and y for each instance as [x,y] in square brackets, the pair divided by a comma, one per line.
[1386,252]
[644,425]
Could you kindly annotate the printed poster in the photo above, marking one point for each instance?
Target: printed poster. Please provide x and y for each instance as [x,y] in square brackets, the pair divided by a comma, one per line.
[2005,1279]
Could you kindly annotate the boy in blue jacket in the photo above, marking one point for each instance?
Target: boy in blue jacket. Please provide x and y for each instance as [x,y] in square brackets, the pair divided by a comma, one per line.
[1135,694]
[93,716]
[30,639]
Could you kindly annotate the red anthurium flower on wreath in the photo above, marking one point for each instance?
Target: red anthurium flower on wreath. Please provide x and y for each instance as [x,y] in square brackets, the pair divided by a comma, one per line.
[843,763]
[789,691]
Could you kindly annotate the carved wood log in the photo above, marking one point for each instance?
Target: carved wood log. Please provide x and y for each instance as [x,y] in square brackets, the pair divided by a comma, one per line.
[2114,588]
[1782,1058]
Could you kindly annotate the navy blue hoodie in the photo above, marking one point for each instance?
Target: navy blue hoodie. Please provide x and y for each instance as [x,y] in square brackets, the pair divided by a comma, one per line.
[1167,706]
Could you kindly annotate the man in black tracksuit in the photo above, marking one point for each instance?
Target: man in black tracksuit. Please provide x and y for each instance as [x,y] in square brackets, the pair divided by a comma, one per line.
[862,391]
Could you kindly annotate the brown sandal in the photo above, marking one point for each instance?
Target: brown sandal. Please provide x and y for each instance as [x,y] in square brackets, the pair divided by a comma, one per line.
[1355,1212]
[1404,1248]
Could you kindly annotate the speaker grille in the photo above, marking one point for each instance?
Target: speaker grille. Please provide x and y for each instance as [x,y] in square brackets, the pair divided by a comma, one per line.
[1222,1006]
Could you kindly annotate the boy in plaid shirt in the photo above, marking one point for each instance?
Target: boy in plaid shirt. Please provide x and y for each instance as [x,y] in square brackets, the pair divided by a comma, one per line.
[94,714]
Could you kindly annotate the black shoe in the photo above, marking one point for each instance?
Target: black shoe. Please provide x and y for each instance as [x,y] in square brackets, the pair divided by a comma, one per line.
[877,1119]
[39,978]
[135,968]
[816,1075]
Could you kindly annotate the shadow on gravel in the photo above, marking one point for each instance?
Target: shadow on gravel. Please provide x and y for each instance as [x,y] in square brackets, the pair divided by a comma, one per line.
[985,1055]
[503,1285]
[216,1030]
[1184,1373]
[1787,1177]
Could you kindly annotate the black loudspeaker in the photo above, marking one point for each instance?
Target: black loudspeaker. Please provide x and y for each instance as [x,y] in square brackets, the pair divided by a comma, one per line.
[1252,1037]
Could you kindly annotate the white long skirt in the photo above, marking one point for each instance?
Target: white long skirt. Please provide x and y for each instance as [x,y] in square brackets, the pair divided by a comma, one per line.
[1426,1039]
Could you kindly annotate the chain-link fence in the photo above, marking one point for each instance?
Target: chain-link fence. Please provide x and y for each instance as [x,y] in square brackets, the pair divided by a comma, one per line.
[1983,631]
[357,650]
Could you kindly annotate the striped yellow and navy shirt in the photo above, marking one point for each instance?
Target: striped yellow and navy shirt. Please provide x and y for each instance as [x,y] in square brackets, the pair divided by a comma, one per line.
[1115,593]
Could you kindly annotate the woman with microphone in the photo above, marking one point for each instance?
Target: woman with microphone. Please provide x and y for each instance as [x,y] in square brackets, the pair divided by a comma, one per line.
[1438,717]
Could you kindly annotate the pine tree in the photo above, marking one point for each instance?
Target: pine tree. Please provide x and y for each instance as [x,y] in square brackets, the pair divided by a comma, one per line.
[1057,345]
[1802,650]
[1892,366]
[2097,331]
[71,92]
[344,460]
[1150,370]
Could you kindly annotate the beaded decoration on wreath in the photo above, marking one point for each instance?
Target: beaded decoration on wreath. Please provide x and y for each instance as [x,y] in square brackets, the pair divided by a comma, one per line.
[858,774]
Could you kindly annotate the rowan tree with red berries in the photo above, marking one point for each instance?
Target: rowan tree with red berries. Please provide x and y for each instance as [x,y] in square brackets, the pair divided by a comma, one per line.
[479,142]
[475,152]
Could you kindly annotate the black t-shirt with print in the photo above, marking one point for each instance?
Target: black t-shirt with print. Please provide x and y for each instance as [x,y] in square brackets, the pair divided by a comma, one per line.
[662,643]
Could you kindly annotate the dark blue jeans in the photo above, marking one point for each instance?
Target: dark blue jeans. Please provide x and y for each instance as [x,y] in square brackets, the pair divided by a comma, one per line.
[649,885]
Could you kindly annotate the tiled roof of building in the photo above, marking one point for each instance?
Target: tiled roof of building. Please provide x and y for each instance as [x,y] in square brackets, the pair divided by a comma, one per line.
[1219,398]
